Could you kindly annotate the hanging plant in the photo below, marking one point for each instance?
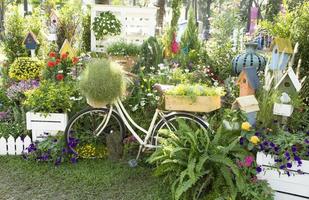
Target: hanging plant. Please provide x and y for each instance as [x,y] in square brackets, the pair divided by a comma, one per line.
[106,24]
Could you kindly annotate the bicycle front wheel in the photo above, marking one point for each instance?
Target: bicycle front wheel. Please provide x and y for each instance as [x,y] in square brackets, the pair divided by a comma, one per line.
[86,135]
[171,123]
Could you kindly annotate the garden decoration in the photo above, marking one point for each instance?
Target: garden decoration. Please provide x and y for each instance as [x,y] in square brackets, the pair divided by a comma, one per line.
[31,43]
[284,108]
[281,52]
[248,81]
[289,83]
[248,59]
[193,98]
[66,48]
[54,19]
[48,104]
[249,105]
[102,82]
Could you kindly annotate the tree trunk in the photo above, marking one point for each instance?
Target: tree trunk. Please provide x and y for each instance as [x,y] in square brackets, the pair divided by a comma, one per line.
[160,15]
[249,15]
[207,22]
[106,2]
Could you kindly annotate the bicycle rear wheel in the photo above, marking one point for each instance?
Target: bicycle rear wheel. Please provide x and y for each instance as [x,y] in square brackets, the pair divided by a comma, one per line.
[171,123]
[84,135]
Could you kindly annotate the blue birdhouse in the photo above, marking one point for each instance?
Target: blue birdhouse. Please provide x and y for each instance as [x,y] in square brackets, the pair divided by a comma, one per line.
[281,51]
[30,41]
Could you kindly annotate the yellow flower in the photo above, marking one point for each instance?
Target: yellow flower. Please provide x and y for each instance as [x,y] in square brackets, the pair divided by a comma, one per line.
[254,140]
[246,126]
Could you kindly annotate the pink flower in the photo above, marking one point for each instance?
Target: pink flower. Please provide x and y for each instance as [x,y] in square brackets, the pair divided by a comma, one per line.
[175,46]
[248,161]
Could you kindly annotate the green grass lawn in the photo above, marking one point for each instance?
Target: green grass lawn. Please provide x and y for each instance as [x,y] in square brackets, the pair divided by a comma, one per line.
[88,179]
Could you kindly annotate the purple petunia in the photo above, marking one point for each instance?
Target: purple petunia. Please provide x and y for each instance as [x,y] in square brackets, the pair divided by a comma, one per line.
[258,169]
[289,165]
[73,160]
[16,90]
[306,141]
[271,144]
[294,149]
[265,143]
[241,141]
[282,167]
[257,134]
[287,154]
[296,158]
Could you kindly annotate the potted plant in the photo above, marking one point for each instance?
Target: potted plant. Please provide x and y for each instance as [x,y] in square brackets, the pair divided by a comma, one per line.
[193,98]
[48,105]
[123,53]
[102,82]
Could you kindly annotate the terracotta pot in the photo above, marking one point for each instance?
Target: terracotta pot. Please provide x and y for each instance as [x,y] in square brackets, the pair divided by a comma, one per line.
[96,104]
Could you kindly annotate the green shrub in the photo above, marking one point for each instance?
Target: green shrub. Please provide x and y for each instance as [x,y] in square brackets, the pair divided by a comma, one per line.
[51,97]
[14,129]
[122,48]
[15,30]
[86,36]
[25,68]
[102,81]
[106,24]
[196,163]
[150,56]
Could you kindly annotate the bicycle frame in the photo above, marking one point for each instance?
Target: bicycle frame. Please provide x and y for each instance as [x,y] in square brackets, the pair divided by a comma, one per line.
[127,120]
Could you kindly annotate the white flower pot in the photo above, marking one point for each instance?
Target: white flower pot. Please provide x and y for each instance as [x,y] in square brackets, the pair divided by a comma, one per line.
[43,125]
[294,187]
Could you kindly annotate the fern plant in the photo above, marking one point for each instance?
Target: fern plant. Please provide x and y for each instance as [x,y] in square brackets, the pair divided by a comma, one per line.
[195,163]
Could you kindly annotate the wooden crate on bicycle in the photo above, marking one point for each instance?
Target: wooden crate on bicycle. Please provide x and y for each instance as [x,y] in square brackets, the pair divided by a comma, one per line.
[198,104]
[191,98]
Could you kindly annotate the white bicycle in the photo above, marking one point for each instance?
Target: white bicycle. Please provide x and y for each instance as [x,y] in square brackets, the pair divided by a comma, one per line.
[91,125]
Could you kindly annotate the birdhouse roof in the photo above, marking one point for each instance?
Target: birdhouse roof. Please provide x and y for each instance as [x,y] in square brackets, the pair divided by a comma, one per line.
[53,14]
[247,104]
[32,36]
[252,76]
[284,45]
[67,48]
[292,76]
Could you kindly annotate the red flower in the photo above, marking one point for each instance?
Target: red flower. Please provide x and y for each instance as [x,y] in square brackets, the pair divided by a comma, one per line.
[64,56]
[52,54]
[51,64]
[58,61]
[75,60]
[59,77]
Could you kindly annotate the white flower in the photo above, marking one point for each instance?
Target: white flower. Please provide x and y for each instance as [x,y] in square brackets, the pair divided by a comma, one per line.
[135,108]
[186,70]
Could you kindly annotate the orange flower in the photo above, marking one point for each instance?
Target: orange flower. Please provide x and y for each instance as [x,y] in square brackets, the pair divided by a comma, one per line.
[52,54]
[58,61]
[75,60]
[51,64]
[59,77]
[64,56]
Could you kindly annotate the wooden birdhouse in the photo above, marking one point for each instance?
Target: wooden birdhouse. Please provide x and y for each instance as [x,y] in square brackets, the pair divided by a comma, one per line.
[248,81]
[53,18]
[68,49]
[281,51]
[249,105]
[31,43]
[289,83]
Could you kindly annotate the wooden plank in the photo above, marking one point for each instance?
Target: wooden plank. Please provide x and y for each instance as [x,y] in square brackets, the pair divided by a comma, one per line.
[27,142]
[19,146]
[54,121]
[281,196]
[11,145]
[200,104]
[3,149]
[268,160]
[295,184]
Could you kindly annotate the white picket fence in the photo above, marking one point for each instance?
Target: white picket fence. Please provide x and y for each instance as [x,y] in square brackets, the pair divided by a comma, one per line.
[13,146]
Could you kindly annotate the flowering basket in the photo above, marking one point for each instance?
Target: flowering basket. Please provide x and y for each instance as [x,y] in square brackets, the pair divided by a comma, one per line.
[292,185]
[197,104]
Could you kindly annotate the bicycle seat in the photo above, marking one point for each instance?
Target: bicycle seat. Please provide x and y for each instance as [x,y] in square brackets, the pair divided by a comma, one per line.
[162,88]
